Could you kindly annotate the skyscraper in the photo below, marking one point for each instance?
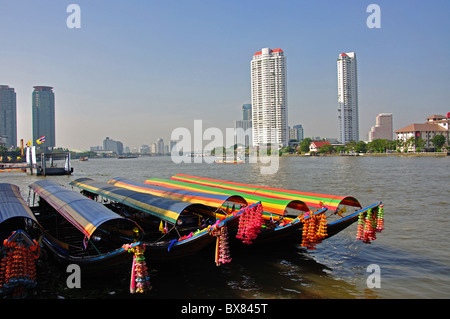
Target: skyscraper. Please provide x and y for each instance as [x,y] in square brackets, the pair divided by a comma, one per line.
[247,112]
[43,109]
[8,115]
[269,98]
[243,128]
[296,133]
[348,98]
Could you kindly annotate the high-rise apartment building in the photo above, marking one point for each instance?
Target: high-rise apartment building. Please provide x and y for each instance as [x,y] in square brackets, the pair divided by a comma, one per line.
[269,98]
[243,128]
[348,98]
[383,128]
[296,133]
[43,109]
[160,146]
[8,115]
[247,112]
[112,146]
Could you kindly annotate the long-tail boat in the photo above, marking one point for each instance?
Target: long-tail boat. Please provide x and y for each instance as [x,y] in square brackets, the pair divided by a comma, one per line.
[337,205]
[172,228]
[80,231]
[281,218]
[20,234]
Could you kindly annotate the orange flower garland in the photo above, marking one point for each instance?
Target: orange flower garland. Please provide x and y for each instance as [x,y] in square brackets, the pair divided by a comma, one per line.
[314,230]
[18,268]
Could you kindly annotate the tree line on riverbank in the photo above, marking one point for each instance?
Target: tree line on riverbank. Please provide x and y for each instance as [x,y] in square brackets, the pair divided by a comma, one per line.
[376,146]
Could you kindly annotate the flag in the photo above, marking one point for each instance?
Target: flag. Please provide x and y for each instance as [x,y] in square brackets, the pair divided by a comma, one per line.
[29,143]
[41,140]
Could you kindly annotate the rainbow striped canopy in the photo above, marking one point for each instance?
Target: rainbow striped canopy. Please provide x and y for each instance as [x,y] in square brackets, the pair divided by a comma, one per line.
[273,205]
[163,208]
[83,213]
[208,199]
[311,199]
[12,204]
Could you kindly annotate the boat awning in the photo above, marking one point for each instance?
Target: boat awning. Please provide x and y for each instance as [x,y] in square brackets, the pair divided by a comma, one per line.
[83,213]
[12,203]
[311,199]
[208,199]
[163,208]
[279,206]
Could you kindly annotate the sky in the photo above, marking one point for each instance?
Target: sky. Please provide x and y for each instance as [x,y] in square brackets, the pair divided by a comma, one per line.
[136,70]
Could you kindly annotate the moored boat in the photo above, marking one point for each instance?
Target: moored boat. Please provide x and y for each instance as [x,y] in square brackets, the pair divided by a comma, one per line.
[280,218]
[172,228]
[337,206]
[80,231]
[20,234]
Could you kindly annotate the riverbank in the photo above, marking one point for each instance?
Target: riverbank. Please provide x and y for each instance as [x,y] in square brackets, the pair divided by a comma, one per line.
[424,154]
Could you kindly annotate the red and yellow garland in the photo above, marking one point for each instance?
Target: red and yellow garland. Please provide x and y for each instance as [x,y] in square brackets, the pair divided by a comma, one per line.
[314,230]
[370,224]
[18,267]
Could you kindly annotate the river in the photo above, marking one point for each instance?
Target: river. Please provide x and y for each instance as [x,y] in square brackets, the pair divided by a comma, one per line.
[412,252]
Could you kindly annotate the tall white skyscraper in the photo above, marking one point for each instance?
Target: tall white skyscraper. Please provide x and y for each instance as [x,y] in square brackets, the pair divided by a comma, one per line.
[269,98]
[348,97]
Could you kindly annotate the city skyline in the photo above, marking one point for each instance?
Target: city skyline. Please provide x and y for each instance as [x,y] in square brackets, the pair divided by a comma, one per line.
[138,70]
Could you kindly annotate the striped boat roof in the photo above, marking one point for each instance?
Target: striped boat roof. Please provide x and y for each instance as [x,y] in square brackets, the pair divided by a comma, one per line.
[314,200]
[12,203]
[83,213]
[270,204]
[163,208]
[208,199]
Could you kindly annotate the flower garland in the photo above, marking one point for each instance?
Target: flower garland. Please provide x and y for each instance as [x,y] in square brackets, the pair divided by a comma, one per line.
[314,230]
[370,224]
[139,282]
[250,223]
[380,218]
[222,252]
[18,267]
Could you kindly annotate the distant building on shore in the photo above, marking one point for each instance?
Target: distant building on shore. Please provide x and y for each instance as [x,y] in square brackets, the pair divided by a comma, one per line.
[113,146]
[383,128]
[8,116]
[315,146]
[160,150]
[296,133]
[435,125]
[348,98]
[243,128]
[43,113]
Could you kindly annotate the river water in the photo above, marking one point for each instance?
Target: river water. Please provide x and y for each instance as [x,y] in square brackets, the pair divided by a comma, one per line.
[412,252]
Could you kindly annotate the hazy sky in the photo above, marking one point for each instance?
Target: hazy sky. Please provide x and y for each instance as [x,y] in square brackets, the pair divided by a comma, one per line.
[136,70]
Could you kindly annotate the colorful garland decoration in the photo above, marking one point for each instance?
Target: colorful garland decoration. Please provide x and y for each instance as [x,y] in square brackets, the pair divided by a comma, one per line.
[139,282]
[18,267]
[380,218]
[222,252]
[314,230]
[250,223]
[370,224]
